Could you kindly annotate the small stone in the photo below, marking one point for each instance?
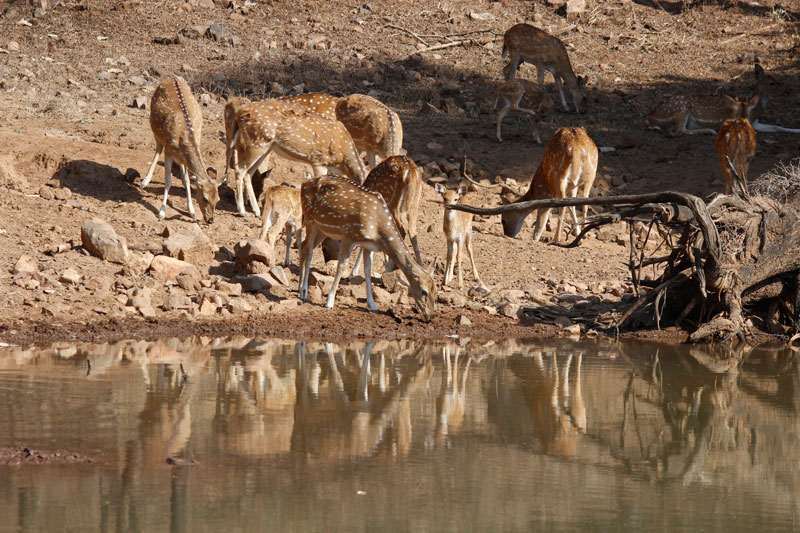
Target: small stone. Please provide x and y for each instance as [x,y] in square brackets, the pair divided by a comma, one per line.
[462,320]
[70,277]
[147,311]
[573,330]
[279,274]
[164,268]
[509,310]
[434,146]
[562,321]
[218,32]
[46,193]
[12,46]
[140,297]
[26,264]
[62,193]
[256,283]
[192,246]
[99,239]
[315,294]
[254,250]
[512,295]
[238,306]
[177,300]
[208,308]
[188,280]
[231,289]
[138,263]
[290,303]
[137,80]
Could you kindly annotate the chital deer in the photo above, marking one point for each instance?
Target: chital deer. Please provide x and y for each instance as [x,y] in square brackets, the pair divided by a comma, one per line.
[259,128]
[281,209]
[736,145]
[177,124]
[375,128]
[696,114]
[767,87]
[512,92]
[569,160]
[340,209]
[458,232]
[324,104]
[526,43]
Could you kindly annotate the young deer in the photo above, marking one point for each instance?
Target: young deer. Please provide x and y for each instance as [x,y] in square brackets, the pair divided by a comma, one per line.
[259,128]
[375,128]
[512,92]
[524,42]
[696,114]
[177,123]
[458,232]
[340,209]
[281,209]
[736,146]
[570,158]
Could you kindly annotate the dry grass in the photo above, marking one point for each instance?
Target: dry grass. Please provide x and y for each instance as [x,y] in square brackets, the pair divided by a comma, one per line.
[781,184]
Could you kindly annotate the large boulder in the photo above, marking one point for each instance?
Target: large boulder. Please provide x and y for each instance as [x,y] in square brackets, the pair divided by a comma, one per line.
[192,246]
[99,239]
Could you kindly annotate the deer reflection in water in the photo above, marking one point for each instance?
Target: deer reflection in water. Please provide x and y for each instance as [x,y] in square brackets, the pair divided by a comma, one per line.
[452,396]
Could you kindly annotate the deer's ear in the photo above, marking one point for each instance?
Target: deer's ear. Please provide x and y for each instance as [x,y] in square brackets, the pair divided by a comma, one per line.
[758,69]
[438,188]
[582,81]
[307,175]
[212,174]
[430,268]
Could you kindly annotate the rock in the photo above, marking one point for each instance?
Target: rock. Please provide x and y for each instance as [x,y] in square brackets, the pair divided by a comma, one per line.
[509,310]
[188,281]
[177,300]
[62,193]
[140,298]
[381,296]
[139,102]
[231,289]
[462,320]
[481,16]
[164,268]
[562,321]
[46,193]
[208,308]
[194,32]
[279,274]
[256,282]
[315,294]
[70,276]
[147,311]
[138,263]
[12,46]
[26,264]
[573,330]
[433,146]
[238,306]
[99,239]
[218,32]
[254,250]
[137,80]
[290,303]
[192,246]
[512,295]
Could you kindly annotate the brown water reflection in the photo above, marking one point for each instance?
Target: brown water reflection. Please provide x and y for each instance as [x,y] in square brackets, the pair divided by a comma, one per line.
[454,436]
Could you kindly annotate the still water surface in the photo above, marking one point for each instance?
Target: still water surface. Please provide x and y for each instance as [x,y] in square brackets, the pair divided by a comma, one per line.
[505,436]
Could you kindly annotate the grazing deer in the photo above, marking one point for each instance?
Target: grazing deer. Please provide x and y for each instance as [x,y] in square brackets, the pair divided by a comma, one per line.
[259,128]
[524,42]
[281,209]
[766,87]
[458,232]
[570,158]
[512,92]
[736,147]
[177,124]
[375,128]
[696,114]
[321,103]
[340,209]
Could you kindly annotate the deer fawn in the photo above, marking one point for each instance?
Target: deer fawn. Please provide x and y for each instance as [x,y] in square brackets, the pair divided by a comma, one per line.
[295,133]
[281,209]
[340,209]
[570,158]
[457,228]
[524,42]
[177,123]
[375,128]
[736,147]
[512,92]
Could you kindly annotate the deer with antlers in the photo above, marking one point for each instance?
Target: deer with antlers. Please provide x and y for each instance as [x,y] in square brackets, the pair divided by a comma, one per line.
[338,208]
[736,147]
[177,123]
[569,161]
[281,209]
[526,43]
[375,128]
[295,133]
[536,98]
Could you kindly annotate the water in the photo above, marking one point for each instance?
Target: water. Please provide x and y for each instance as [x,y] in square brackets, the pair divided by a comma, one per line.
[505,436]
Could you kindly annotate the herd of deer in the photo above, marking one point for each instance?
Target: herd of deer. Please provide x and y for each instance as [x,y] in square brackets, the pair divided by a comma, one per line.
[376,210]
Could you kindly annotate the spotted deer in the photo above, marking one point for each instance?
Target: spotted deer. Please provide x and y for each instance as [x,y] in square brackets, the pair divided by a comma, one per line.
[736,147]
[696,114]
[536,98]
[324,104]
[526,43]
[259,128]
[375,128]
[569,160]
[338,208]
[457,228]
[177,124]
[767,87]
[281,209]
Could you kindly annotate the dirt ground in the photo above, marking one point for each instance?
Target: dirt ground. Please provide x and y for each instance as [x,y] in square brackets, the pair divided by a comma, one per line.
[73,146]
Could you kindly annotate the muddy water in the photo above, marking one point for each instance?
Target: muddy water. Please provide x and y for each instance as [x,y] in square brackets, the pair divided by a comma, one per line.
[398,436]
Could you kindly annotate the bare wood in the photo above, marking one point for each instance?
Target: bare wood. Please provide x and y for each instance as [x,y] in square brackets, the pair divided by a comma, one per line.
[526,43]
[445,45]
[177,123]
[342,210]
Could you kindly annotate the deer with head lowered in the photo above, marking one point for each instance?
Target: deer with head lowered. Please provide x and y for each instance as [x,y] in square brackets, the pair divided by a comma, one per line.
[736,147]
[281,209]
[177,123]
[259,128]
[338,208]
[375,128]
[526,43]
[569,161]
[512,92]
